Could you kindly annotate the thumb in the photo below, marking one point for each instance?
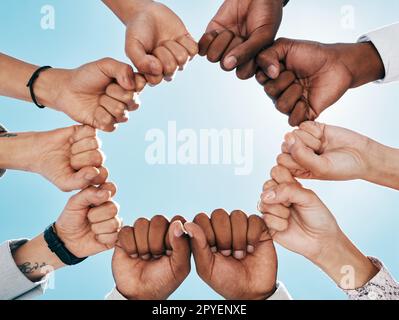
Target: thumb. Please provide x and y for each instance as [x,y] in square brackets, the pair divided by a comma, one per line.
[201,251]
[81,179]
[120,256]
[269,59]
[248,50]
[88,197]
[292,193]
[122,72]
[145,63]
[180,247]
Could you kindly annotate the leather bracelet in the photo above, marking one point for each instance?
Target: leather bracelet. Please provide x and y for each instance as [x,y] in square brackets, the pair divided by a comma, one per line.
[56,245]
[32,81]
[285,2]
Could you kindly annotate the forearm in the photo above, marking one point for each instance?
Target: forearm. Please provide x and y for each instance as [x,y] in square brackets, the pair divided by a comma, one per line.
[345,264]
[35,259]
[382,165]
[123,9]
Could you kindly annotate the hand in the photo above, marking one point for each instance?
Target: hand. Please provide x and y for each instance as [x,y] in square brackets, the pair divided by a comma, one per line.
[319,151]
[157,41]
[239,31]
[317,75]
[98,94]
[234,254]
[153,259]
[299,221]
[89,223]
[69,158]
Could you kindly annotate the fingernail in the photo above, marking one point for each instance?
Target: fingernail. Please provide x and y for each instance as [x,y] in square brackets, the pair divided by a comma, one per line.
[239,254]
[250,249]
[226,253]
[179,231]
[290,139]
[157,256]
[90,176]
[151,85]
[230,62]
[270,195]
[214,249]
[146,257]
[190,234]
[168,79]
[102,193]
[272,71]
[168,253]
[153,67]
[134,256]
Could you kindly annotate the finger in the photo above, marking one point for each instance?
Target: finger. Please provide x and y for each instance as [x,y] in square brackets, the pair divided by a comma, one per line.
[233,44]
[168,61]
[281,174]
[308,140]
[204,222]
[153,80]
[256,227]
[122,72]
[179,53]
[277,210]
[285,160]
[141,82]
[104,121]
[238,220]
[92,158]
[269,184]
[299,114]
[106,227]
[86,144]
[109,186]
[141,229]
[314,128]
[82,132]
[275,223]
[274,88]
[269,59]
[129,98]
[261,77]
[156,237]
[80,179]
[167,242]
[103,213]
[115,108]
[288,99]
[189,44]
[205,42]
[101,178]
[218,47]
[145,63]
[247,70]
[180,258]
[222,228]
[91,196]
[128,242]
[202,253]
[109,239]
[293,193]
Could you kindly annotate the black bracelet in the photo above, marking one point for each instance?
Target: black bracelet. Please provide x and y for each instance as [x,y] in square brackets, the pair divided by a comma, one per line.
[285,2]
[31,82]
[56,245]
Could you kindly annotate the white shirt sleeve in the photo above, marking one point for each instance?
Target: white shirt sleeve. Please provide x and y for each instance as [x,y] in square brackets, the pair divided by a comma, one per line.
[387,44]
[13,283]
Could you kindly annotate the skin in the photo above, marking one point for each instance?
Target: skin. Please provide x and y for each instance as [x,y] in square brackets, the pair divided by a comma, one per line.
[239,31]
[244,264]
[88,225]
[314,75]
[319,151]
[157,41]
[98,94]
[300,222]
[70,158]
[152,258]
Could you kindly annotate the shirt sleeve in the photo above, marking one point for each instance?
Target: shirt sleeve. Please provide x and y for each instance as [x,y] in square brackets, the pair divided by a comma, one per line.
[2,130]
[382,287]
[14,285]
[115,295]
[385,41]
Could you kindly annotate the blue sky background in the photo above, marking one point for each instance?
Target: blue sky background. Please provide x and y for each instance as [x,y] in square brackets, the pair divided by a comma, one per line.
[202,97]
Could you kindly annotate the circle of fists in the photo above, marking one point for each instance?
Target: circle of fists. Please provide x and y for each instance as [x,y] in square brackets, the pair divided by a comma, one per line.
[233,253]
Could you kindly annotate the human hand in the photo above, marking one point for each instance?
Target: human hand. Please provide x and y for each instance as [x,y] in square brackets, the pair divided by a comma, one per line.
[304,78]
[234,254]
[153,259]
[299,221]
[69,158]
[239,31]
[89,223]
[98,94]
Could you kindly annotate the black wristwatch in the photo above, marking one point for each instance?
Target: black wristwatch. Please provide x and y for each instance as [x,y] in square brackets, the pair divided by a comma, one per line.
[56,245]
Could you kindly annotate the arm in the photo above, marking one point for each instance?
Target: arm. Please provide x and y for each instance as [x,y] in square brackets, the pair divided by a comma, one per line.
[123,9]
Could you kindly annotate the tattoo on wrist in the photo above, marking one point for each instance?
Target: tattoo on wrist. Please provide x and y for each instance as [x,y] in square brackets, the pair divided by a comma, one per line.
[28,267]
[8,135]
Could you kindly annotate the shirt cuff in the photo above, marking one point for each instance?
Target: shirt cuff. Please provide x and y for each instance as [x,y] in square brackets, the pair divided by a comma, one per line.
[382,287]
[385,41]
[281,293]
[13,283]
[2,130]
[115,295]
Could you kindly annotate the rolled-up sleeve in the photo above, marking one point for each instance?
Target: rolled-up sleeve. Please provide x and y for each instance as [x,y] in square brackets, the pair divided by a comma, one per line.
[2,130]
[14,285]
[386,42]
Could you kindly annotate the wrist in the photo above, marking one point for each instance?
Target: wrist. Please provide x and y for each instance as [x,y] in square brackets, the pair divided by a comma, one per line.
[363,61]
[124,9]
[345,264]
